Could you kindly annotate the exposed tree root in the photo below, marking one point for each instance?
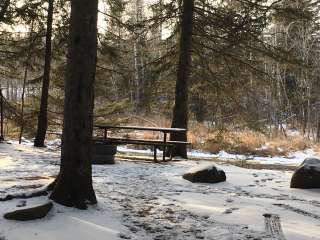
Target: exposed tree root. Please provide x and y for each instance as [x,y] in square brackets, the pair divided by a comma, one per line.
[42,192]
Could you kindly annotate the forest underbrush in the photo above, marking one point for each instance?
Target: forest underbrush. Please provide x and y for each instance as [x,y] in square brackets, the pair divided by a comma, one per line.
[206,137]
[209,138]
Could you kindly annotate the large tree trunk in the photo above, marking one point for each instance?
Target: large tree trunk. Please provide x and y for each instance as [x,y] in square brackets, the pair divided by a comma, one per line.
[42,117]
[180,110]
[74,183]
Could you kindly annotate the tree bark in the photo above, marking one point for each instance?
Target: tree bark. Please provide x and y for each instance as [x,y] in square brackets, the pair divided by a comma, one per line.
[43,116]
[25,78]
[318,128]
[139,70]
[180,110]
[74,183]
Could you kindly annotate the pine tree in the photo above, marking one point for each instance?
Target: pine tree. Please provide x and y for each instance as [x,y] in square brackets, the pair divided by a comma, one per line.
[43,115]
[74,182]
[180,110]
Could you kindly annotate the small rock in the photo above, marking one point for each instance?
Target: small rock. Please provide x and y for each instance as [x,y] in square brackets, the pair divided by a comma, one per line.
[228,211]
[206,174]
[22,203]
[123,236]
[199,237]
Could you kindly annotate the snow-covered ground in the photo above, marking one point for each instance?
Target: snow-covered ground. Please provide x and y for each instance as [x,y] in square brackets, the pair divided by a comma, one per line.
[146,201]
[294,158]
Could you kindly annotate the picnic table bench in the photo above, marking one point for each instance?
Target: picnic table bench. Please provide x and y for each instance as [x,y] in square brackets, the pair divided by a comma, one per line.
[155,143]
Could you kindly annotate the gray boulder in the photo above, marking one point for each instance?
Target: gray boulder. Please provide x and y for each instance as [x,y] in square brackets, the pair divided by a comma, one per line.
[307,175]
[29,213]
[205,174]
[103,153]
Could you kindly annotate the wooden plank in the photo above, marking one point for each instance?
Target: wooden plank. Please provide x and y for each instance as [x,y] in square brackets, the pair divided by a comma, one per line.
[168,130]
[136,141]
[179,142]
[151,141]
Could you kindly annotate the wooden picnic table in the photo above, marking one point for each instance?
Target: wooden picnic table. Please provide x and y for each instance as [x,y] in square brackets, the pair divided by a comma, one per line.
[155,143]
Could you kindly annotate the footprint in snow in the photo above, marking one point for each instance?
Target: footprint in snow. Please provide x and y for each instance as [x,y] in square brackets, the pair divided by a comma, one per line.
[230,210]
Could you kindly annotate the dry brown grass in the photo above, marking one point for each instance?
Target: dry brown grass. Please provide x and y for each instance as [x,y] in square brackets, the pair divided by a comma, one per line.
[197,133]
[149,121]
[253,143]
[241,142]
[150,135]
[290,144]
[245,141]
[317,149]
[11,131]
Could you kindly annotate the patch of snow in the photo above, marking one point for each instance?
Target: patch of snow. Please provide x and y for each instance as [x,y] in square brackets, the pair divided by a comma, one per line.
[53,144]
[294,158]
[62,223]
[293,132]
[312,163]
[222,154]
[248,194]
[216,233]
[200,154]
[125,149]
[201,167]
[263,147]
[144,201]
[24,141]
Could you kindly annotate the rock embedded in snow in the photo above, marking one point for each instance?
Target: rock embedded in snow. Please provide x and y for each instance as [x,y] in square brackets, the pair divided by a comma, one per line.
[207,173]
[29,213]
[22,203]
[307,175]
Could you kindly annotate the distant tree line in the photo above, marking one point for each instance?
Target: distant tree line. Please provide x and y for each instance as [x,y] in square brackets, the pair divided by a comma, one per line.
[253,62]
[248,63]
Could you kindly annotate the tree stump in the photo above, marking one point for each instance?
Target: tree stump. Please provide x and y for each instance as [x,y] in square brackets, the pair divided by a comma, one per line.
[103,153]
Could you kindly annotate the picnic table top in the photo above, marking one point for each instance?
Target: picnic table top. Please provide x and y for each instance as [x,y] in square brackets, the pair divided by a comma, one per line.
[141,128]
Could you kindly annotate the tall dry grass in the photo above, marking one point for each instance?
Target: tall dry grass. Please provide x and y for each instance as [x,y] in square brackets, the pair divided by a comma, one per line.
[204,138]
[245,141]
